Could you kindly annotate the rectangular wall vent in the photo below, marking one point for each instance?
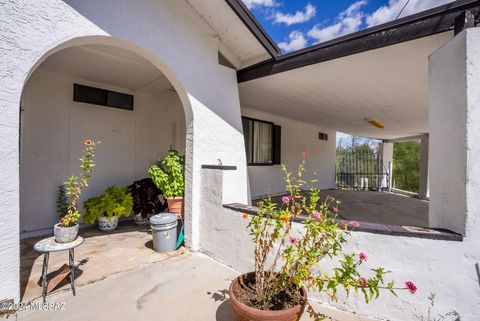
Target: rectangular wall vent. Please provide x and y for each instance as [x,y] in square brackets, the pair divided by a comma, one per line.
[322,136]
[102,97]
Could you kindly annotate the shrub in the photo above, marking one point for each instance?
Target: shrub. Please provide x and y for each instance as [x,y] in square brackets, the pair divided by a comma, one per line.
[168,175]
[146,198]
[285,259]
[113,202]
[75,184]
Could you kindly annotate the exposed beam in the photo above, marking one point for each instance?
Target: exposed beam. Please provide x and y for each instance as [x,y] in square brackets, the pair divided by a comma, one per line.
[254,26]
[423,24]
[465,20]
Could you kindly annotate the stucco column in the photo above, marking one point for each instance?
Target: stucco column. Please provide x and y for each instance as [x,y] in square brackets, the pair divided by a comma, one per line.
[386,152]
[424,188]
[454,127]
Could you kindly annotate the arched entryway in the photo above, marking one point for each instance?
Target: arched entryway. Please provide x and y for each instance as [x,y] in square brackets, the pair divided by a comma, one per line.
[54,124]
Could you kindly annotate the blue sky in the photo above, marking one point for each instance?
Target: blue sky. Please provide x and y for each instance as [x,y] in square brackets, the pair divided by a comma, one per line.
[295,24]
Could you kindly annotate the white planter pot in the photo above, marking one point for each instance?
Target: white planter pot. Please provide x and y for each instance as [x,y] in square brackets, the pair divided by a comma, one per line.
[65,234]
[107,224]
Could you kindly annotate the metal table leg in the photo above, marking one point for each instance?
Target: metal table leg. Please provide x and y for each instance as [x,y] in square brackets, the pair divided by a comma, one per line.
[71,262]
[44,275]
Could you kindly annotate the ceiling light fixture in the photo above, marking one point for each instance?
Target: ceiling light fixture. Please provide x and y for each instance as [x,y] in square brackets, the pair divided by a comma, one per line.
[375,123]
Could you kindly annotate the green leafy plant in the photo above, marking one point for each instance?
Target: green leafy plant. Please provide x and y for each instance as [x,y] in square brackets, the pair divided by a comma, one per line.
[75,184]
[286,258]
[168,175]
[113,202]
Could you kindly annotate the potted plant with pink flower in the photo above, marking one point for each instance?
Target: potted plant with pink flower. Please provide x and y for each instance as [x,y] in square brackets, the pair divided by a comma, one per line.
[66,230]
[288,259]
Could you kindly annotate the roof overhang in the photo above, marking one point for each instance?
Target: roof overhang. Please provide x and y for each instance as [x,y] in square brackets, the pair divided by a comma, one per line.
[427,23]
[389,84]
[254,26]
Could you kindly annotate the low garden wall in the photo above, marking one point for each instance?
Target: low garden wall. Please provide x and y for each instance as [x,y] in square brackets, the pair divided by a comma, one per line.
[447,268]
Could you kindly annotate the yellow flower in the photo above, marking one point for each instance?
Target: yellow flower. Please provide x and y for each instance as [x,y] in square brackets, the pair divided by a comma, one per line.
[245,215]
[286,217]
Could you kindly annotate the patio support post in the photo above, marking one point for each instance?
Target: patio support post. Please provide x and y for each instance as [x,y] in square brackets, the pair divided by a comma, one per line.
[386,152]
[424,188]
[454,128]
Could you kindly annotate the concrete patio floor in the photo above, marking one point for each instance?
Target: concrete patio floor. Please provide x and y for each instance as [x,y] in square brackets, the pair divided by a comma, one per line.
[378,207]
[186,287]
[101,255]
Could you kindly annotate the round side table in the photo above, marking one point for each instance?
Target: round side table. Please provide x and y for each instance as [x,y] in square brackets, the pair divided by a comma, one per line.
[48,245]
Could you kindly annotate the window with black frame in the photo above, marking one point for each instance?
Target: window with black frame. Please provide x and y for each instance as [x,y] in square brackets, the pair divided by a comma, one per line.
[262,141]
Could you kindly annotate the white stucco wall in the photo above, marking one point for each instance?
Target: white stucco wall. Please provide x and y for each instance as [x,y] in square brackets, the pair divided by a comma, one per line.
[53,130]
[297,137]
[453,104]
[173,37]
[447,268]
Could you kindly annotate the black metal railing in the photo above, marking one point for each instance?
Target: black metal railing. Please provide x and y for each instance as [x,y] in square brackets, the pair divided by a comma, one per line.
[361,169]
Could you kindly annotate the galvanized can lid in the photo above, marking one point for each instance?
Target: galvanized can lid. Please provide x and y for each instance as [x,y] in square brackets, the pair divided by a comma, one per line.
[163,219]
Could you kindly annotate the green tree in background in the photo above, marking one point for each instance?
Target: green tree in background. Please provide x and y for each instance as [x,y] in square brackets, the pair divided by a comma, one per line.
[406,165]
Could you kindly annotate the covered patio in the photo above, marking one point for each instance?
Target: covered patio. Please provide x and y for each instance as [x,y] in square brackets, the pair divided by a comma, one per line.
[377,207]
[379,93]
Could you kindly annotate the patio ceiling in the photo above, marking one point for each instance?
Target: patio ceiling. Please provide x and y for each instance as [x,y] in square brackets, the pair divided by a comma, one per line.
[108,65]
[388,84]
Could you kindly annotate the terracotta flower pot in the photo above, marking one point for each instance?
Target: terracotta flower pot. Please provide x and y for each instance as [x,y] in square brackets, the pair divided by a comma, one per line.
[175,205]
[246,313]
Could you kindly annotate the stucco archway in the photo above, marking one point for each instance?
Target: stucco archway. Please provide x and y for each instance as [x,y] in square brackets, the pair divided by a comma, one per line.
[118,45]
[155,61]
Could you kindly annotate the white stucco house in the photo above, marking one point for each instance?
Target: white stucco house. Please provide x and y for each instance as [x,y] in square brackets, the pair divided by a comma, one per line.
[205,78]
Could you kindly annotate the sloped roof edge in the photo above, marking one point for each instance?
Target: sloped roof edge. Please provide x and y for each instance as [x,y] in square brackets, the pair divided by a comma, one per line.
[426,23]
[254,26]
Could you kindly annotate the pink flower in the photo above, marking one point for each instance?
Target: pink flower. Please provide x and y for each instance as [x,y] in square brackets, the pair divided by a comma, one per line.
[322,235]
[354,224]
[411,287]
[316,215]
[305,154]
[363,282]
[286,199]
[362,256]
[335,210]
[293,240]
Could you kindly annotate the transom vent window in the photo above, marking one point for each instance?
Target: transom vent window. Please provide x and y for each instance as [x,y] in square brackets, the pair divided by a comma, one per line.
[262,141]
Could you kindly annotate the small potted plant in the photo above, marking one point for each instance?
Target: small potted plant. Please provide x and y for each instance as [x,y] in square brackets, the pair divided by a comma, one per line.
[67,229]
[146,200]
[288,261]
[107,208]
[168,176]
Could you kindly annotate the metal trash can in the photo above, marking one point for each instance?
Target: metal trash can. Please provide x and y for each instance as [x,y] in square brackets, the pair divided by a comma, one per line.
[164,232]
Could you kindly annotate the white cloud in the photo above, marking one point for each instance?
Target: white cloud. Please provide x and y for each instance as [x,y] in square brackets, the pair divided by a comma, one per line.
[296,40]
[390,11]
[298,17]
[348,21]
[259,3]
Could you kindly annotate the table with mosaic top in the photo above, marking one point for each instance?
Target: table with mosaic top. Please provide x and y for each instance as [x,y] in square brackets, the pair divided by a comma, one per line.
[48,245]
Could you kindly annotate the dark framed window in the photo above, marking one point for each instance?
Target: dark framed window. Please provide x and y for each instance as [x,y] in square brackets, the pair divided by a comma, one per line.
[102,97]
[262,142]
